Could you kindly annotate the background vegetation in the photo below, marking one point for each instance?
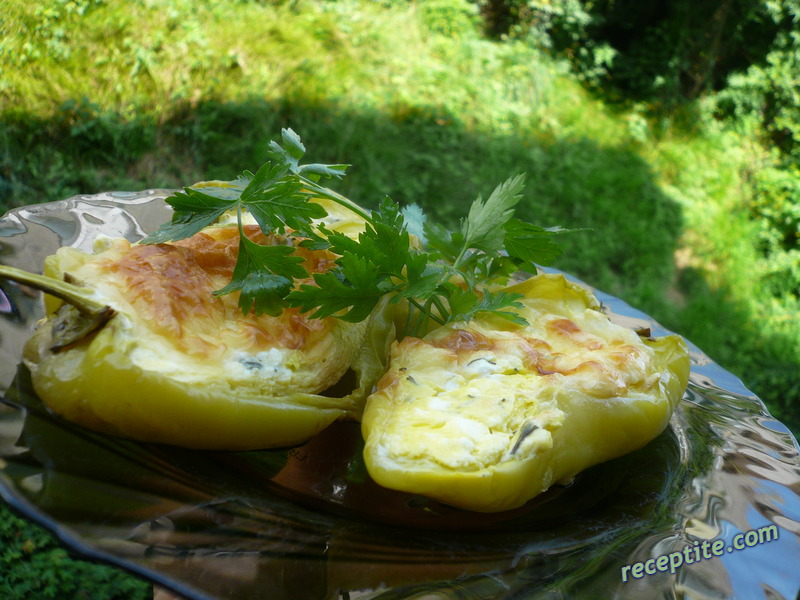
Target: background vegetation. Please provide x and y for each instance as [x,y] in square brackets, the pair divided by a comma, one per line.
[672,130]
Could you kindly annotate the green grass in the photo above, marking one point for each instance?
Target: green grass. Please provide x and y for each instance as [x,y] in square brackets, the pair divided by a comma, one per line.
[34,566]
[97,96]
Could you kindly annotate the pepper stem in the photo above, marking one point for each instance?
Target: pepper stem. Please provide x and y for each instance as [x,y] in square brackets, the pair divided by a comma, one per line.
[72,294]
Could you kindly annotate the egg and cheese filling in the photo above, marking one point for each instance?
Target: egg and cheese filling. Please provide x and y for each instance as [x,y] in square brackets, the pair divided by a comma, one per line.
[469,396]
[170,321]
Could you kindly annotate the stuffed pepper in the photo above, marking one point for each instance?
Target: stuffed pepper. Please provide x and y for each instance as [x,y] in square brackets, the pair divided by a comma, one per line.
[137,344]
[485,415]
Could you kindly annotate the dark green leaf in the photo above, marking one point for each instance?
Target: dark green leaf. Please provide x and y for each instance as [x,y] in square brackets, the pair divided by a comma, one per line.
[268,176]
[339,243]
[283,204]
[380,261]
[193,212]
[384,244]
[264,275]
[422,285]
[501,267]
[462,302]
[334,171]
[465,304]
[483,227]
[199,202]
[420,264]
[494,303]
[531,244]
[445,244]
[388,213]
[261,292]
[385,247]
[315,241]
[356,295]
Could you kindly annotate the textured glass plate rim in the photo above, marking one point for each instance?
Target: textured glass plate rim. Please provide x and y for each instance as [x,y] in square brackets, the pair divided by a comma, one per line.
[702,365]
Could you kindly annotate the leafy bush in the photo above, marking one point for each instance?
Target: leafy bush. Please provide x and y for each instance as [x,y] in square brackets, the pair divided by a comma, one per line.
[661,52]
[452,18]
[561,27]
[776,205]
[764,102]
[765,96]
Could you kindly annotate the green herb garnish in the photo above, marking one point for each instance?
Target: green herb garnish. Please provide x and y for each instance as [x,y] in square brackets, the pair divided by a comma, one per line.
[445,282]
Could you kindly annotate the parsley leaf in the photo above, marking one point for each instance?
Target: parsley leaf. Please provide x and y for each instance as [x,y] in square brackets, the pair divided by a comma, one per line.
[279,197]
[531,244]
[494,303]
[367,268]
[295,150]
[483,227]
[465,304]
[350,293]
[193,212]
[277,201]
[443,243]
[385,240]
[424,278]
[264,275]
[415,221]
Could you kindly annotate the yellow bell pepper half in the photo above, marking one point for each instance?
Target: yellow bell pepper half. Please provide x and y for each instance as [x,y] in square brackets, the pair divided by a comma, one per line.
[169,362]
[486,415]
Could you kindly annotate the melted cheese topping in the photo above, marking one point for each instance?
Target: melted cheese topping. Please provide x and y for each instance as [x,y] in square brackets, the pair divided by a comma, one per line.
[469,396]
[173,323]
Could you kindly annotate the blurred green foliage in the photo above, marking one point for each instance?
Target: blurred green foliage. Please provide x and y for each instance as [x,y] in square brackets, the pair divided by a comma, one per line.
[663,52]
[34,566]
[451,18]
[668,129]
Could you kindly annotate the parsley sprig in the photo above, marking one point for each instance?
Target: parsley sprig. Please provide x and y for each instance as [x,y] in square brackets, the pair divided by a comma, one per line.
[278,197]
[448,280]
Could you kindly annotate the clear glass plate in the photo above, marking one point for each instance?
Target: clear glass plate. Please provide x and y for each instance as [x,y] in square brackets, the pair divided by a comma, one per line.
[308,523]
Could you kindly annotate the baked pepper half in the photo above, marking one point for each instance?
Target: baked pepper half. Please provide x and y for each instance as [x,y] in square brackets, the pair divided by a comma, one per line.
[136,345]
[486,415]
